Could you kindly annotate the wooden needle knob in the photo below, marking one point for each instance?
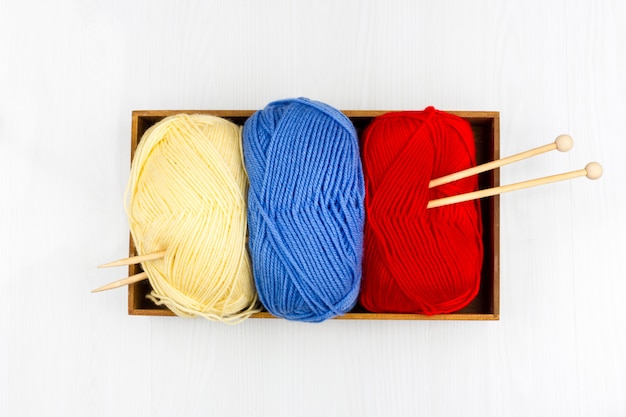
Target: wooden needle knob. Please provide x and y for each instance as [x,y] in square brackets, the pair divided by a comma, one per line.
[564,143]
[594,170]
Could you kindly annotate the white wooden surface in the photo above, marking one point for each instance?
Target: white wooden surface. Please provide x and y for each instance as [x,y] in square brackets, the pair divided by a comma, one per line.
[71,73]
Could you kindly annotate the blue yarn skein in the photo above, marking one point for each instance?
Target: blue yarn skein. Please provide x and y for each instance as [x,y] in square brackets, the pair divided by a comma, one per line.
[305,209]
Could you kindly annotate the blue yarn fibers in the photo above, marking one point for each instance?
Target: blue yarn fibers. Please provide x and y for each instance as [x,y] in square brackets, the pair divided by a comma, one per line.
[305,209]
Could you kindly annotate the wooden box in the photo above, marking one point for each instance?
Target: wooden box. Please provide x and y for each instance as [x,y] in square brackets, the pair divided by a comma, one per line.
[486,128]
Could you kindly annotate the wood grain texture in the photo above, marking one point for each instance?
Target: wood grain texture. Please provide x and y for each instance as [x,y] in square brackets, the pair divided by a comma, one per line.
[68,84]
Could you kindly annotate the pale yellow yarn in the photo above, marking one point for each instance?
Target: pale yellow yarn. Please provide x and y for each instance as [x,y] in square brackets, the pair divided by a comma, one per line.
[187,195]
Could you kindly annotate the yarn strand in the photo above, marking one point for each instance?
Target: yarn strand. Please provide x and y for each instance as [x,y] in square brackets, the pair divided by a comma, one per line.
[305,209]
[419,260]
[186,196]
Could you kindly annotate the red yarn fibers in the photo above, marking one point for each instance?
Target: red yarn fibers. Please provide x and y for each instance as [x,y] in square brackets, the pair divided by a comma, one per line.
[419,260]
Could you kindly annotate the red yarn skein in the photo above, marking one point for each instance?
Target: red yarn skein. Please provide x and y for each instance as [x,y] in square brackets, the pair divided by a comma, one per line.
[419,260]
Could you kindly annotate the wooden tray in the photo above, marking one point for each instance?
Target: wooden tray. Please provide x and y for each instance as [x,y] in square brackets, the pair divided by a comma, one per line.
[486,128]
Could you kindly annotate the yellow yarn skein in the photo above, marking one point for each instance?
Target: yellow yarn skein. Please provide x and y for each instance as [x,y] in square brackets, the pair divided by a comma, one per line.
[186,195]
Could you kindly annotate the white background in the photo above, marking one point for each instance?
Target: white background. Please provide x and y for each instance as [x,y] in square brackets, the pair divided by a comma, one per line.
[71,72]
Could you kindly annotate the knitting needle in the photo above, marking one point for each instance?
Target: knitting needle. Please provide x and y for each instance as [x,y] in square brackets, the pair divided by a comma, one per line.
[563,143]
[134,259]
[125,281]
[592,170]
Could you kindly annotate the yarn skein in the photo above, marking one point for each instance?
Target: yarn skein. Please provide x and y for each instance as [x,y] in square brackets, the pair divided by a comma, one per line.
[419,260]
[187,195]
[305,209]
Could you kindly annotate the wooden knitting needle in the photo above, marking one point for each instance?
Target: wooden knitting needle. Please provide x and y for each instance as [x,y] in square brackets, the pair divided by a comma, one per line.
[135,259]
[563,143]
[592,170]
[126,281]
[129,261]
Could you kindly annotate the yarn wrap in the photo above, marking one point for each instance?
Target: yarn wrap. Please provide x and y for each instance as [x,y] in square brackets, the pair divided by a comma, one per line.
[305,209]
[187,195]
[419,260]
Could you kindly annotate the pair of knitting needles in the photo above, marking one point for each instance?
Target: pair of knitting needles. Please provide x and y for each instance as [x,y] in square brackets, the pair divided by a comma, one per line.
[563,143]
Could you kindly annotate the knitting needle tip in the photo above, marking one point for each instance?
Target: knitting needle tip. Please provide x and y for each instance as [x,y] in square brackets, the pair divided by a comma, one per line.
[126,281]
[134,259]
